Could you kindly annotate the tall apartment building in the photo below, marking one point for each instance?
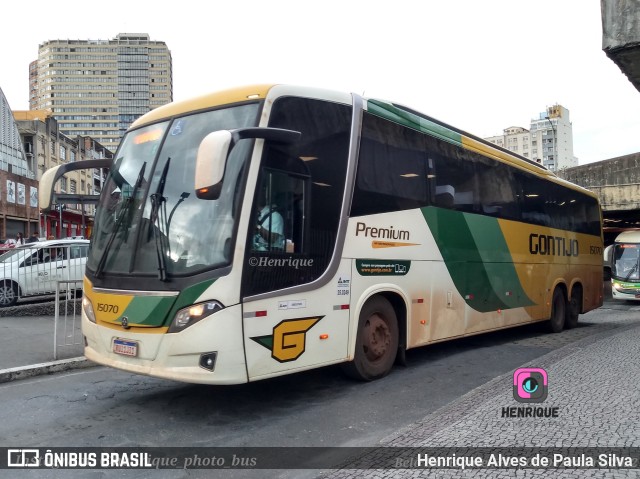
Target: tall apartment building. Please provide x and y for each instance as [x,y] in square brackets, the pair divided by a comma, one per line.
[552,138]
[97,88]
[549,140]
[515,139]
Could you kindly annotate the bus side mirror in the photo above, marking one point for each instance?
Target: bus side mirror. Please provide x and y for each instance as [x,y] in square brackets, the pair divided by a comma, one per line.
[607,255]
[214,149]
[210,164]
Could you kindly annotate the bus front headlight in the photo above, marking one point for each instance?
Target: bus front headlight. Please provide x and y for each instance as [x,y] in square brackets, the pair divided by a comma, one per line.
[88,309]
[191,315]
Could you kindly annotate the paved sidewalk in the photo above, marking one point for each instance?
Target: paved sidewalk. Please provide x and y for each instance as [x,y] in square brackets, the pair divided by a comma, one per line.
[27,347]
[592,382]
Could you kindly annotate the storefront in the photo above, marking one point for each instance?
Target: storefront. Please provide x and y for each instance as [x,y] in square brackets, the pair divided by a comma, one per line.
[73,224]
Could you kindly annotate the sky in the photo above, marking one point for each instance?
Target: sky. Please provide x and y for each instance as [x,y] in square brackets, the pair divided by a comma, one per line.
[481,66]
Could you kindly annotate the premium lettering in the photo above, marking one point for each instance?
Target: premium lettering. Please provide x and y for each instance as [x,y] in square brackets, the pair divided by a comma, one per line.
[381,233]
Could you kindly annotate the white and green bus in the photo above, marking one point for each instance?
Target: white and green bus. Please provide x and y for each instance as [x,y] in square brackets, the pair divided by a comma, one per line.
[624,262]
[271,229]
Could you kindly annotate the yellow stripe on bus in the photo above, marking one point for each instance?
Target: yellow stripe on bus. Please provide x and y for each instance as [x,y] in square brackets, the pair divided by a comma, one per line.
[203,102]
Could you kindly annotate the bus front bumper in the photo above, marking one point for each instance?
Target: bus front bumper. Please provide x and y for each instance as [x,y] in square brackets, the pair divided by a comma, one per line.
[208,352]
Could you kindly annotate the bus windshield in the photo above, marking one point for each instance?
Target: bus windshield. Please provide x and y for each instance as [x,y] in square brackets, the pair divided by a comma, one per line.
[146,219]
[626,259]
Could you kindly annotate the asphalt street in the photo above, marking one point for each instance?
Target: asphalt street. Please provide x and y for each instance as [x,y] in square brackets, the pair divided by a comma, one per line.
[592,403]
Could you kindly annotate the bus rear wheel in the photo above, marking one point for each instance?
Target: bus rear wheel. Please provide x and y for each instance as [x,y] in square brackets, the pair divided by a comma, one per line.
[573,308]
[558,311]
[376,341]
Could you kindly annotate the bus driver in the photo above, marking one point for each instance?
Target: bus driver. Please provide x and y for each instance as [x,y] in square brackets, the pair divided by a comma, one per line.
[269,227]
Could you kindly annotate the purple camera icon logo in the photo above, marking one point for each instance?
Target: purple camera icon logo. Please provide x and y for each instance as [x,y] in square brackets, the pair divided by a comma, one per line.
[530,385]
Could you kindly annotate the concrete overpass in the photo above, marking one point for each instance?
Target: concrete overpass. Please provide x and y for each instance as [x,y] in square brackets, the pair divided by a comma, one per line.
[621,36]
[616,181]
[617,184]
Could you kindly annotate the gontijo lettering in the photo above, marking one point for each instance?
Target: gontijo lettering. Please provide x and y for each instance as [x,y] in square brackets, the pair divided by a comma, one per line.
[552,245]
[384,233]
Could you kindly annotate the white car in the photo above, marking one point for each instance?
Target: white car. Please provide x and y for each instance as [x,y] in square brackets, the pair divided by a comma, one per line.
[35,268]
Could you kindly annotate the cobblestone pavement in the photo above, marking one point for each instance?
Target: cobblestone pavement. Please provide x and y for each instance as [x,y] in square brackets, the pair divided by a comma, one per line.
[592,381]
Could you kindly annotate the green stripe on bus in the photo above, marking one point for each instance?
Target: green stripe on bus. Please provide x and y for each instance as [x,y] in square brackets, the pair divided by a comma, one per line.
[158,311]
[477,258]
[148,310]
[405,118]
[189,296]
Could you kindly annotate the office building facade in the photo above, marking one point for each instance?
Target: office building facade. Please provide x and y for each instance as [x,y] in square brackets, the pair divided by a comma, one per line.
[97,88]
[548,141]
[46,147]
[18,185]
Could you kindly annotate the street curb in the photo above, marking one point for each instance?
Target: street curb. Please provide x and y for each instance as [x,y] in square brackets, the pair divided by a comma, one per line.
[24,372]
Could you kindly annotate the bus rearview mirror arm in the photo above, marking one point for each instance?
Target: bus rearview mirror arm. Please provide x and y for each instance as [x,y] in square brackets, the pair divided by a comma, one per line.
[214,150]
[47,195]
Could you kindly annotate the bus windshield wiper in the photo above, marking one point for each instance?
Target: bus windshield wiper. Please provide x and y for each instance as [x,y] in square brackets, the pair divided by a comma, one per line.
[124,213]
[631,271]
[161,237]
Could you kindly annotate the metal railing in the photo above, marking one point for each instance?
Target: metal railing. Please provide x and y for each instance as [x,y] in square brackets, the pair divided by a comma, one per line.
[67,332]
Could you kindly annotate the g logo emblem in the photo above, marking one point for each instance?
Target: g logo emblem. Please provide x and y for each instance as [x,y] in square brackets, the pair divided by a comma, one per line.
[125,322]
[287,343]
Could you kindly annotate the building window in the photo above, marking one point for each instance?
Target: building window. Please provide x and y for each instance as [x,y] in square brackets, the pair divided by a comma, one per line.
[73,155]
[63,153]
[73,186]
[63,185]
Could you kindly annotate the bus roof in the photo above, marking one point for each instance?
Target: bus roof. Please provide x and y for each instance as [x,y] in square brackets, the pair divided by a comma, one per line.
[203,102]
[632,236]
[392,111]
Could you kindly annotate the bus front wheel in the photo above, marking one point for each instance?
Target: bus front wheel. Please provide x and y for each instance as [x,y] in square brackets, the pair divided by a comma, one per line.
[376,341]
[558,311]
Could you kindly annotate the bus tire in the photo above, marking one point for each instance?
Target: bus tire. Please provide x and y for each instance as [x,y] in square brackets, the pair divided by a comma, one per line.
[376,341]
[558,311]
[573,308]
[8,293]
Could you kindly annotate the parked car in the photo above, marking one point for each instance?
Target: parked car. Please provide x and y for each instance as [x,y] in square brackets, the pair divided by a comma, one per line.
[35,268]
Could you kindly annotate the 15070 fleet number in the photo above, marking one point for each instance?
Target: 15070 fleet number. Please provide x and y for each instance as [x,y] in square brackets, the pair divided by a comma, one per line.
[108,308]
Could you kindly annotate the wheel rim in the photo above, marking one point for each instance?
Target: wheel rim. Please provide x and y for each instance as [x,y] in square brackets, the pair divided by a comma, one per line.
[376,338]
[6,294]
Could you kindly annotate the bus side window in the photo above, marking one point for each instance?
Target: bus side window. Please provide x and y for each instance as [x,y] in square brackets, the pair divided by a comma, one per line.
[393,169]
[307,180]
[282,198]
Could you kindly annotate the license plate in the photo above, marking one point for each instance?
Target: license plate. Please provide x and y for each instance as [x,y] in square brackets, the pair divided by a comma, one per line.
[126,348]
